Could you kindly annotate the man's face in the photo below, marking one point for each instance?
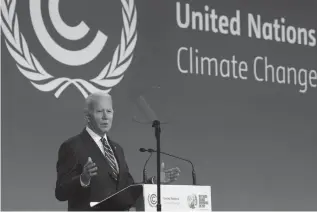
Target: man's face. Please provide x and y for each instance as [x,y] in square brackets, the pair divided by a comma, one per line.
[100,115]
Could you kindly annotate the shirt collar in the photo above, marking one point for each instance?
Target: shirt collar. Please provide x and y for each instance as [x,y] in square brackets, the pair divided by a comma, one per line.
[94,135]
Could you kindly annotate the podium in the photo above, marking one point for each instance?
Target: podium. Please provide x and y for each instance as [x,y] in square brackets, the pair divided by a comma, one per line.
[143,197]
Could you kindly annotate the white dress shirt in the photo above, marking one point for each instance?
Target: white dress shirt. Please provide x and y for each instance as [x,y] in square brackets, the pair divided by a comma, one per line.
[97,139]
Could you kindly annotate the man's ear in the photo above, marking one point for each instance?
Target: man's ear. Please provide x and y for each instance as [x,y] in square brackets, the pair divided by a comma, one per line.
[87,116]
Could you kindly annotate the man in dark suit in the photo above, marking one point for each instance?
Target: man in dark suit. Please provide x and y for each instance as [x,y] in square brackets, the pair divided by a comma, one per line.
[90,165]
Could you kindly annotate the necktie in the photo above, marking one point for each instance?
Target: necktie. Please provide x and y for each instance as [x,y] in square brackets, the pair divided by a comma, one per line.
[110,157]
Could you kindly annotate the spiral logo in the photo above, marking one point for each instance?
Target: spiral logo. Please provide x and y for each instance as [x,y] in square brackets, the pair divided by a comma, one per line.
[29,66]
[152,199]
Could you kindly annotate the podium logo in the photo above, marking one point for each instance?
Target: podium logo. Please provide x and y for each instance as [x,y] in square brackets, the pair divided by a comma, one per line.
[110,75]
[152,199]
[192,201]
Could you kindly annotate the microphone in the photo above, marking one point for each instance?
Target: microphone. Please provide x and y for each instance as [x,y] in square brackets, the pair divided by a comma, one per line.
[144,168]
[164,153]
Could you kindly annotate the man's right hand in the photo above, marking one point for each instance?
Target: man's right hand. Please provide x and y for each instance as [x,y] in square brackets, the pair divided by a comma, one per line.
[89,170]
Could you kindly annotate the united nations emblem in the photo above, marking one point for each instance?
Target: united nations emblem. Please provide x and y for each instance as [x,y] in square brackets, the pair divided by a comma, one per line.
[110,75]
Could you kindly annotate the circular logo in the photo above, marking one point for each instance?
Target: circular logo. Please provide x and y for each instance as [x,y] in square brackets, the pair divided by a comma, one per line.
[32,69]
[192,201]
[152,199]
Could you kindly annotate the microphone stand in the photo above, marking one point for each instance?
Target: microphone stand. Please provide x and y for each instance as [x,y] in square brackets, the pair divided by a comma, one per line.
[156,124]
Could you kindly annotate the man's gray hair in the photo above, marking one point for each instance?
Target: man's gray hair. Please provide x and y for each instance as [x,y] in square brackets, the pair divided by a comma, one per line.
[94,97]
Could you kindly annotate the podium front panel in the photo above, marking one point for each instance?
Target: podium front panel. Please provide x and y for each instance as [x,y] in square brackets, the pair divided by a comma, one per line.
[178,197]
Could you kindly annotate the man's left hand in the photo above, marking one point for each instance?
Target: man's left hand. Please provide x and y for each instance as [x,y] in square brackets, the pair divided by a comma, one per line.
[169,175]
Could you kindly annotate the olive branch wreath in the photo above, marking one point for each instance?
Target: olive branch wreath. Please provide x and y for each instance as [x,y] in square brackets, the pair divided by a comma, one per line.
[31,68]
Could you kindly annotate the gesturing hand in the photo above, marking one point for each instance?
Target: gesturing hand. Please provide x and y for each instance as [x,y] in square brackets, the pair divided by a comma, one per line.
[169,175]
[89,170]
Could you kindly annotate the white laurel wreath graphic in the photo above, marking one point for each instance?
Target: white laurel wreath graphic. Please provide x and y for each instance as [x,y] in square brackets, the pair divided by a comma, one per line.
[31,68]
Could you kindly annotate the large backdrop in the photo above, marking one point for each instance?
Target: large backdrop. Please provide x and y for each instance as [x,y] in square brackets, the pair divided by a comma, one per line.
[234,82]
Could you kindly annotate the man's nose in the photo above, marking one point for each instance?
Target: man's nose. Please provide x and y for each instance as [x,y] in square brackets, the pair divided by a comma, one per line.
[104,115]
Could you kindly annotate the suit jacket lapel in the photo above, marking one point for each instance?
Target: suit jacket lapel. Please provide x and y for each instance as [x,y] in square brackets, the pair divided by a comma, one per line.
[94,149]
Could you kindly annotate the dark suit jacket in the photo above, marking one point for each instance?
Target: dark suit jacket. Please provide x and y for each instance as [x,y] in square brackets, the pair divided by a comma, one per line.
[72,156]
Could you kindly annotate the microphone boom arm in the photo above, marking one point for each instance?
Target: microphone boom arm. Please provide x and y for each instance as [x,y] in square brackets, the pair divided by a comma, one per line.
[193,168]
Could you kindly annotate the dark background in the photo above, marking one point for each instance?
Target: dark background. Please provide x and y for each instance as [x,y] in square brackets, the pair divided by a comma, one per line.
[254,143]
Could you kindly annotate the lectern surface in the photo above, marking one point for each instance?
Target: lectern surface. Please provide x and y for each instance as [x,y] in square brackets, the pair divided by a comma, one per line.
[120,201]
